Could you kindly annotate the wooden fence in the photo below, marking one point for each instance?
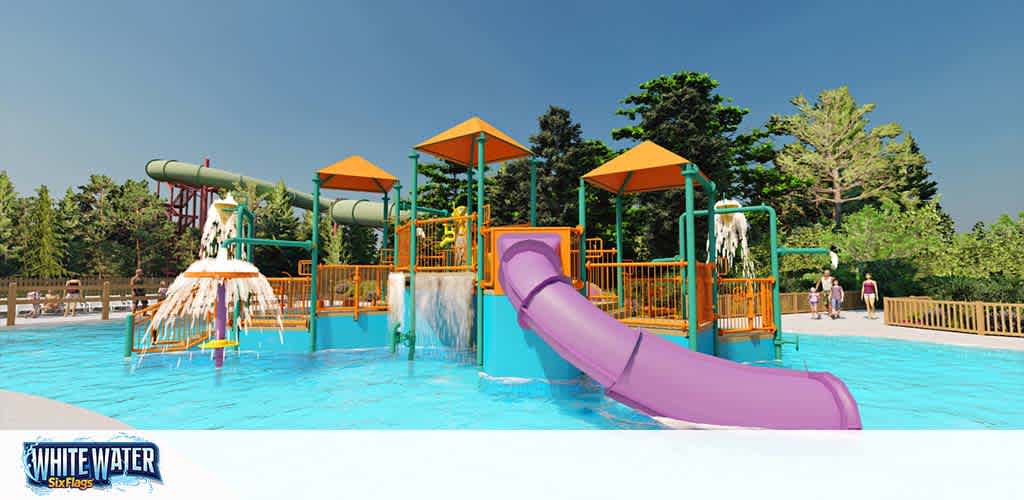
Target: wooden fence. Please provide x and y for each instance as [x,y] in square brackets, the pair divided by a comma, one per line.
[796,302]
[96,296]
[982,318]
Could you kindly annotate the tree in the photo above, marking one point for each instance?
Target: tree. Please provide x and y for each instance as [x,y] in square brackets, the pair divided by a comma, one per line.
[445,187]
[333,246]
[683,113]
[147,236]
[836,152]
[914,182]
[43,251]
[358,245]
[95,204]
[565,156]
[275,219]
[9,247]
[72,235]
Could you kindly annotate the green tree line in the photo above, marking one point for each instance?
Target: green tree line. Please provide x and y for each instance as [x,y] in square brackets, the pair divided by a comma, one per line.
[105,228]
[834,177]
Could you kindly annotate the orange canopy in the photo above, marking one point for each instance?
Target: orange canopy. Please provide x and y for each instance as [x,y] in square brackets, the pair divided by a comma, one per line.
[356,173]
[458,144]
[645,167]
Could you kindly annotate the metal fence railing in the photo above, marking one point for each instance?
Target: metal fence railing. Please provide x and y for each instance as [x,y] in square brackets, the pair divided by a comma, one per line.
[745,305]
[653,293]
[170,336]
[351,289]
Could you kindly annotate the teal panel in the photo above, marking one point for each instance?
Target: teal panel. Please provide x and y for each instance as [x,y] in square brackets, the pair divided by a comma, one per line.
[344,332]
[272,340]
[511,351]
[747,349]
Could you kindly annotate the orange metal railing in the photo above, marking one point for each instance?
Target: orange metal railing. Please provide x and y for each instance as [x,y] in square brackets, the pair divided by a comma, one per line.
[304,267]
[180,335]
[351,289]
[386,257]
[603,278]
[443,244]
[745,305]
[293,300]
[653,293]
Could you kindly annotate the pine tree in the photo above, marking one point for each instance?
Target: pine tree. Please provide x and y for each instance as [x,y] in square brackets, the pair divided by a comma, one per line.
[445,186]
[101,253]
[43,251]
[358,245]
[73,238]
[333,248]
[9,245]
[275,219]
[842,158]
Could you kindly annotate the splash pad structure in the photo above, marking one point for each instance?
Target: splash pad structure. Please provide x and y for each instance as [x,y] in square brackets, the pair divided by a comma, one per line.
[209,284]
[550,304]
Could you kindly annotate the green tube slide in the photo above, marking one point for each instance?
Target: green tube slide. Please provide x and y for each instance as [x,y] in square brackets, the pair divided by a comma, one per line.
[358,212]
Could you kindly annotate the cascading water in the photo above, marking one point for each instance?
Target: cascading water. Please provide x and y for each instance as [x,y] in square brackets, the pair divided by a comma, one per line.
[193,294]
[730,233]
[444,311]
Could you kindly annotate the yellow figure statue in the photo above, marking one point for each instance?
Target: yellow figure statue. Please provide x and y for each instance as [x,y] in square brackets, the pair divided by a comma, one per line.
[455,232]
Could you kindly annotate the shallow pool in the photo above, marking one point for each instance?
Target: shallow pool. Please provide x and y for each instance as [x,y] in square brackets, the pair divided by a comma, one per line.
[897,384]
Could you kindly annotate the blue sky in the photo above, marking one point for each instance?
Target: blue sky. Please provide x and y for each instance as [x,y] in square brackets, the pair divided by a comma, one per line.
[276,90]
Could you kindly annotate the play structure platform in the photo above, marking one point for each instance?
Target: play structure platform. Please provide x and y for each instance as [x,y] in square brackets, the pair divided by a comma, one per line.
[672,338]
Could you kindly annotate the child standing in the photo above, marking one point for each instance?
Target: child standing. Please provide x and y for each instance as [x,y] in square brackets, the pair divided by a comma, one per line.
[812,298]
[837,298]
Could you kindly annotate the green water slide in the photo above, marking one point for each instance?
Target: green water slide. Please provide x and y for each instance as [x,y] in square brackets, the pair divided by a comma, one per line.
[358,212]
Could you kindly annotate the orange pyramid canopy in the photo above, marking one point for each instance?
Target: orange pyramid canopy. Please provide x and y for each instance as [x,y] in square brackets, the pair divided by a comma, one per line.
[645,167]
[458,144]
[356,173]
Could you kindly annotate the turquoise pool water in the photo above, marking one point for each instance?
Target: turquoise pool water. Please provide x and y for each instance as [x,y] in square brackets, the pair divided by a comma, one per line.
[899,385]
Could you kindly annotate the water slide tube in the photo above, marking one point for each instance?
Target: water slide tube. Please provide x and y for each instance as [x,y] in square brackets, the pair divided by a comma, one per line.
[358,212]
[665,380]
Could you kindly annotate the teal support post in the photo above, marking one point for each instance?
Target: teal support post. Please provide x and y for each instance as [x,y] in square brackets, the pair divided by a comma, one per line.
[469,189]
[314,255]
[129,322]
[240,213]
[691,267]
[479,310]
[533,192]
[713,259]
[415,157]
[384,234]
[583,237]
[618,248]
[776,252]
[398,221]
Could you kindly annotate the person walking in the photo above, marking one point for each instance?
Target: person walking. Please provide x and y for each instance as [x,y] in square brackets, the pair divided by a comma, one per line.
[812,298]
[825,283]
[72,296]
[869,291]
[836,296]
[138,292]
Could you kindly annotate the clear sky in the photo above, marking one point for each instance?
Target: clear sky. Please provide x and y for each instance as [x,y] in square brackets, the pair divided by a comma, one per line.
[276,90]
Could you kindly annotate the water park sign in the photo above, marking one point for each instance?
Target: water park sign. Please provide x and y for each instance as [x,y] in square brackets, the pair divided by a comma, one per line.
[83,465]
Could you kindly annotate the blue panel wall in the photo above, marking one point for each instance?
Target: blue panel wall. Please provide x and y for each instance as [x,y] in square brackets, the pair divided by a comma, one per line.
[333,332]
[511,351]
[705,340]
[269,340]
[343,332]
[746,348]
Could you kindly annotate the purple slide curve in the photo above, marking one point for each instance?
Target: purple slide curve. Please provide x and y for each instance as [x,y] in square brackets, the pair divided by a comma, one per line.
[654,375]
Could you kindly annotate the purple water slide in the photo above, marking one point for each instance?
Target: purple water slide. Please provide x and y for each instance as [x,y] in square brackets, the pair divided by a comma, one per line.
[655,375]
